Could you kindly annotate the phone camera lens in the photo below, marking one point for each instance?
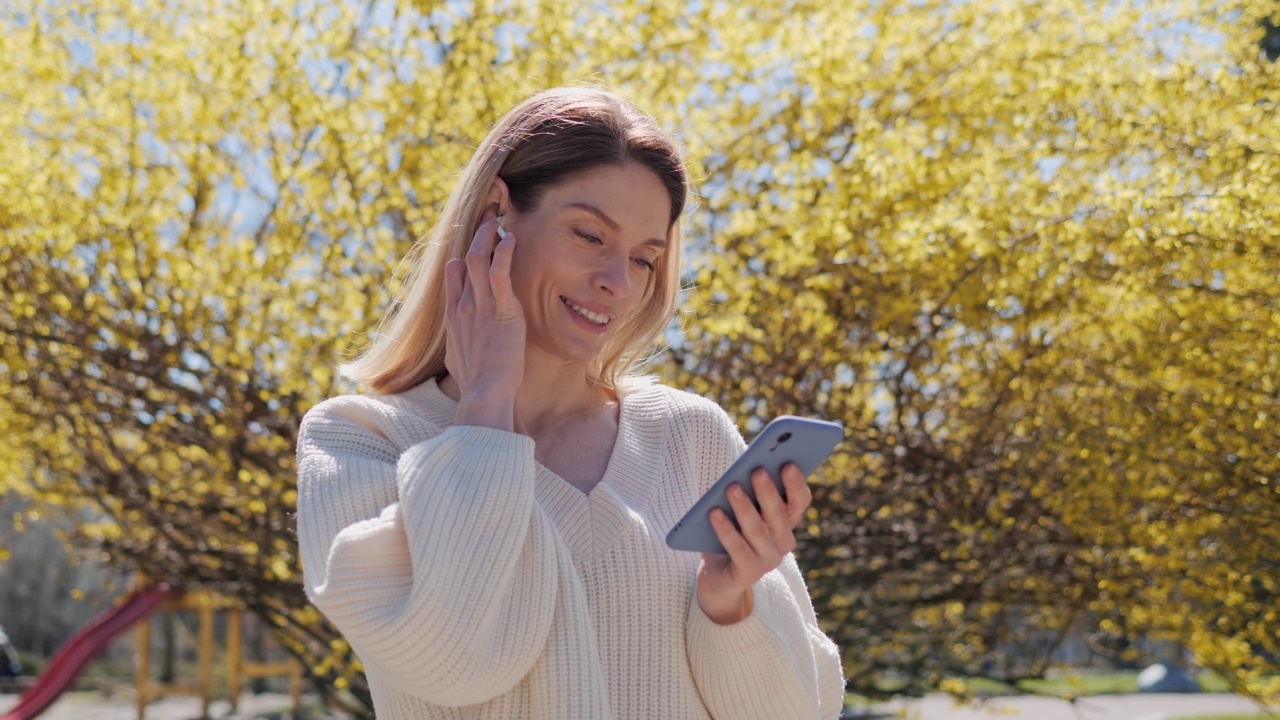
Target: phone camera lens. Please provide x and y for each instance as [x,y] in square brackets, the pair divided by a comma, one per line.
[785,437]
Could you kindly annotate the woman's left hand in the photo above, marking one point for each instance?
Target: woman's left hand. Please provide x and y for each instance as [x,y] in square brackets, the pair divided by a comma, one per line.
[767,535]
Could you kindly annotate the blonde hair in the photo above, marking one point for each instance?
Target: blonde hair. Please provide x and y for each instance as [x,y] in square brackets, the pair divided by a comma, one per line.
[541,142]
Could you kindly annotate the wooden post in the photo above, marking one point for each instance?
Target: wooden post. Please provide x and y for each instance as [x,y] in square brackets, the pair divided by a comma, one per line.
[295,688]
[233,658]
[206,657]
[144,665]
[207,605]
[169,653]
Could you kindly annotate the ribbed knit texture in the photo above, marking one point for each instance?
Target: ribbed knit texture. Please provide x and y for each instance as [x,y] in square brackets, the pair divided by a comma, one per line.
[474,583]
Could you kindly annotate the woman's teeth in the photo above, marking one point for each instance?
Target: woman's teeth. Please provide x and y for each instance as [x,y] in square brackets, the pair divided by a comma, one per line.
[593,317]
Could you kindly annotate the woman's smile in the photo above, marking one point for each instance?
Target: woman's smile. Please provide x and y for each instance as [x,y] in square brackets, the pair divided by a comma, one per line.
[595,322]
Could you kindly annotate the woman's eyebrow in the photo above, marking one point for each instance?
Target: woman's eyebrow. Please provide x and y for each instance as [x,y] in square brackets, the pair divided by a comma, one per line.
[604,218]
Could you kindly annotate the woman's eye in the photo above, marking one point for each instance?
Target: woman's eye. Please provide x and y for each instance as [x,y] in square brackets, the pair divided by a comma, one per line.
[647,265]
[588,237]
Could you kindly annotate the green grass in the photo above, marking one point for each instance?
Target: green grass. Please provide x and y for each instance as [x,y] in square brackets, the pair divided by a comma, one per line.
[1116,682]
[1069,683]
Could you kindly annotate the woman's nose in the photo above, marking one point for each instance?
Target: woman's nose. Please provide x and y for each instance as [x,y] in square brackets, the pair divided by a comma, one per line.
[614,276]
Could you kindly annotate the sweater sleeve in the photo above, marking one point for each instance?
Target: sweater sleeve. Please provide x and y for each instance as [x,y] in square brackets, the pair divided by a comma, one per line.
[775,664]
[448,590]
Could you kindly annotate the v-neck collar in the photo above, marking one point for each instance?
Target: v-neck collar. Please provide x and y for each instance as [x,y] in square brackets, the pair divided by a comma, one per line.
[590,522]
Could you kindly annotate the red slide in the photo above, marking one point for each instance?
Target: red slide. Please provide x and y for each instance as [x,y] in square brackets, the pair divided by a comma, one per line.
[83,647]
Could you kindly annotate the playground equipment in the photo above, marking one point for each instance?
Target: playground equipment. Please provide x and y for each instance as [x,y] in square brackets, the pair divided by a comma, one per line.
[93,638]
[83,647]
[207,604]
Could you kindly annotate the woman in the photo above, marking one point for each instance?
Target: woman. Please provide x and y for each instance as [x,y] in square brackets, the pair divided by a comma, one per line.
[486,528]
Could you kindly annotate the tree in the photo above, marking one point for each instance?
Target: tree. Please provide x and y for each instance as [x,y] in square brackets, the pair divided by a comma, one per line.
[201,207]
[1015,248]
[1027,257]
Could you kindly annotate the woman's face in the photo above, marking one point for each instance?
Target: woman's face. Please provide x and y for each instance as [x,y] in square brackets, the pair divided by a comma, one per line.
[585,255]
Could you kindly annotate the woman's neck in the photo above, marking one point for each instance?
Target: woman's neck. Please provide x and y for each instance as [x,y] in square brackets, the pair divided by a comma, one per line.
[549,394]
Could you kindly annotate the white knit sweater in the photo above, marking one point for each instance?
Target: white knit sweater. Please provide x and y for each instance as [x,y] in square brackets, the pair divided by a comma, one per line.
[474,583]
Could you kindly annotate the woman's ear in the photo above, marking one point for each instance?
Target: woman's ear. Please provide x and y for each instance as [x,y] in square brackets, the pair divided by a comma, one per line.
[498,198]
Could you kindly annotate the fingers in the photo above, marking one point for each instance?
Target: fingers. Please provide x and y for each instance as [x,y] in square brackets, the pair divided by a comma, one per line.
[754,527]
[799,496]
[455,275]
[504,297]
[776,521]
[748,559]
[782,510]
[772,506]
[485,342]
[488,269]
[768,525]
[741,556]
[763,536]
[479,261]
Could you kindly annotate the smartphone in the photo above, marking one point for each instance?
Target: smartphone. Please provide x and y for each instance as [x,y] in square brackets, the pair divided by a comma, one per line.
[803,441]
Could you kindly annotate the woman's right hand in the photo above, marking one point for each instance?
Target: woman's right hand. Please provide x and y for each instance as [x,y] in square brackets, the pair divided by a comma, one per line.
[484,347]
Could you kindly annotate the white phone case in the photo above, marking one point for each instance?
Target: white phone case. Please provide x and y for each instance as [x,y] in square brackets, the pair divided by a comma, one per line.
[803,441]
